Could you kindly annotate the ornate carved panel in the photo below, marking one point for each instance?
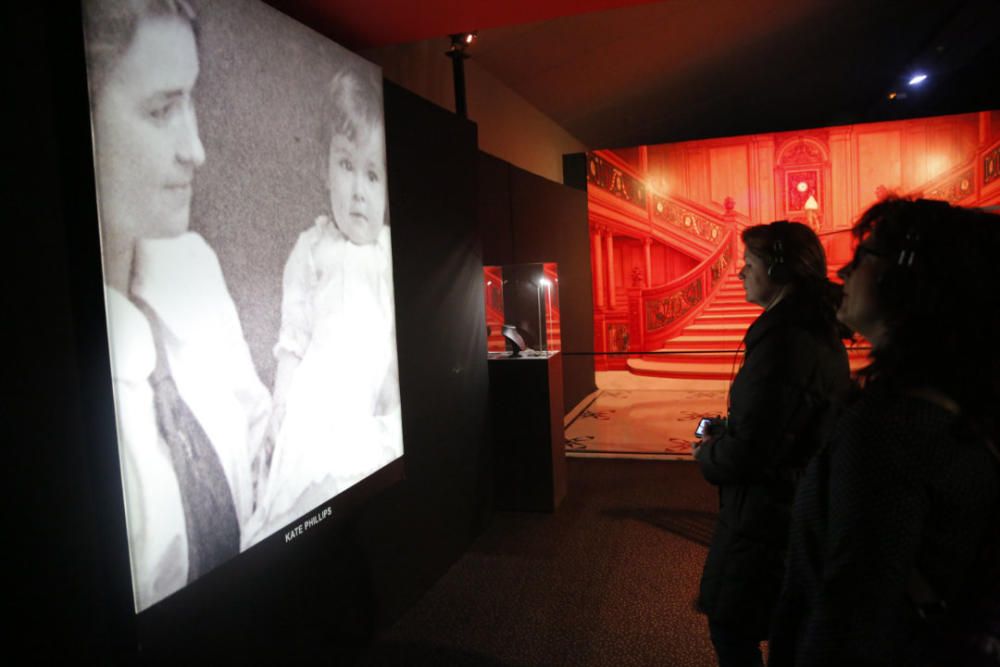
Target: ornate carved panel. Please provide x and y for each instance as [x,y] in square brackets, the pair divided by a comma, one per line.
[954,189]
[617,337]
[662,311]
[803,164]
[802,152]
[721,264]
[800,185]
[991,166]
[604,175]
[685,219]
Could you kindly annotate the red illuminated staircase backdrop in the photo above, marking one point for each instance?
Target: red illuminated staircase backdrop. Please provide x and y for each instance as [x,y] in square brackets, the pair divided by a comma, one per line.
[706,348]
[665,224]
[710,347]
[691,326]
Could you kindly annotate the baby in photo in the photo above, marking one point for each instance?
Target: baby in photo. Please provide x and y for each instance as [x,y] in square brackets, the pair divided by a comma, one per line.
[336,400]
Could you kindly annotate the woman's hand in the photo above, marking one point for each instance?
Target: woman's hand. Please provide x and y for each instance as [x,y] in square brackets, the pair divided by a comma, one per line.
[698,444]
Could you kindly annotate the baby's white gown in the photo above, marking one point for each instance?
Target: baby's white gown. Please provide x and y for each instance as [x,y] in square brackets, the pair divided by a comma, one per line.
[342,416]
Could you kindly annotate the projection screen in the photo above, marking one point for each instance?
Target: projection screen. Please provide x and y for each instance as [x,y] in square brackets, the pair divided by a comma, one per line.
[244,221]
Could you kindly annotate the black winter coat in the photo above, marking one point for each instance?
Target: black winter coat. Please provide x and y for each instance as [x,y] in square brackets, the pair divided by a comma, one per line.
[900,486]
[794,377]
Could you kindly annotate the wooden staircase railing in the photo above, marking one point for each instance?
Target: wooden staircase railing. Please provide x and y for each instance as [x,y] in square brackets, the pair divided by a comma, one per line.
[660,313]
[620,199]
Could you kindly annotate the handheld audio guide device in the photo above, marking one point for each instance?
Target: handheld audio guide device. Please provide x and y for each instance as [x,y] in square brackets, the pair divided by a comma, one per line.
[709,426]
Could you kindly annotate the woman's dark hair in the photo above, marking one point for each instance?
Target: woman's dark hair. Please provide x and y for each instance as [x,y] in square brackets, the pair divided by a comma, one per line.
[795,257]
[110,27]
[938,295]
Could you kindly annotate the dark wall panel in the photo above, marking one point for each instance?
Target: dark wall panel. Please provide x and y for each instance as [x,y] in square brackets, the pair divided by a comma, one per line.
[494,210]
[67,549]
[575,170]
[415,533]
[550,225]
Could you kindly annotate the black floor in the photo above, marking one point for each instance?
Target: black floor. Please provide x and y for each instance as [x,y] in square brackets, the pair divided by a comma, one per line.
[609,579]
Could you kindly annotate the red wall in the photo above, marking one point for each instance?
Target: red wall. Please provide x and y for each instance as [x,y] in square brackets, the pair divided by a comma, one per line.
[846,168]
[630,263]
[825,177]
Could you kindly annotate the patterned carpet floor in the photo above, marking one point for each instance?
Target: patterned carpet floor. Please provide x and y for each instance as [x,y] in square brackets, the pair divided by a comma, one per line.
[641,417]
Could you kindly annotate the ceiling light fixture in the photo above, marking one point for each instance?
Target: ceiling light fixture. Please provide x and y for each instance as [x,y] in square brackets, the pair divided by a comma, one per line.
[917,79]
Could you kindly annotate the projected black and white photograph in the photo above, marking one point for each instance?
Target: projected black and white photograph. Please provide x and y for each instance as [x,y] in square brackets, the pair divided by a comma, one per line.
[244,221]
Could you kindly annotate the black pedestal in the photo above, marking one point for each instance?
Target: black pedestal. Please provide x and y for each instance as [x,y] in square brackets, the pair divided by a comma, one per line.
[528,446]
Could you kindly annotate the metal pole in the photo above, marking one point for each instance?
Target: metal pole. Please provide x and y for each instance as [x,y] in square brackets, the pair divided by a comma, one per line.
[457,55]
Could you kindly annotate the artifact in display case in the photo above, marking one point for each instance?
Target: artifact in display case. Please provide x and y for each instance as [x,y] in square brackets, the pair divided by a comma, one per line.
[522,310]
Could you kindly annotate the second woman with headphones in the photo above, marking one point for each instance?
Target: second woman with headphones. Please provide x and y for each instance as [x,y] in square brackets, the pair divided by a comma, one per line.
[794,374]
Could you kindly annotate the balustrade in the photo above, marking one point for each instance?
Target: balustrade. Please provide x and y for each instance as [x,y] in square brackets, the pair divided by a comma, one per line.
[652,314]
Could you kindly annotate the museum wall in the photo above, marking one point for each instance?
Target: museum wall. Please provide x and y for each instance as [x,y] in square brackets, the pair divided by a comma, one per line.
[324,594]
[510,128]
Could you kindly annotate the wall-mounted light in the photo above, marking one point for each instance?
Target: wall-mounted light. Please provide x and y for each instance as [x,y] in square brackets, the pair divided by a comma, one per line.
[917,79]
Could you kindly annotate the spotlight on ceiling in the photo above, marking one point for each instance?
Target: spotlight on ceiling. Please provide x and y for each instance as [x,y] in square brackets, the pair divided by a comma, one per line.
[917,79]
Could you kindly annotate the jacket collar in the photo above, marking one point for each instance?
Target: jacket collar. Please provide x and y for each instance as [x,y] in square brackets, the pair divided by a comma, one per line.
[781,314]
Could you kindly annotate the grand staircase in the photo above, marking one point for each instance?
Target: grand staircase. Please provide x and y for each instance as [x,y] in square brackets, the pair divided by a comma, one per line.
[710,347]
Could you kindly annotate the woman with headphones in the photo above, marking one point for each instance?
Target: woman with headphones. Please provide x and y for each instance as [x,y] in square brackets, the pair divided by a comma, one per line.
[795,372]
[893,523]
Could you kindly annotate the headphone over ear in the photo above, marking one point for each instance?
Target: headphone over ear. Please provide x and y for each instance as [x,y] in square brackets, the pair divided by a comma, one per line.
[908,251]
[777,270]
[892,280]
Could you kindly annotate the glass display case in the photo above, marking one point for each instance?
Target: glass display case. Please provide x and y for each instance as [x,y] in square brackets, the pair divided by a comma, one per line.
[522,310]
